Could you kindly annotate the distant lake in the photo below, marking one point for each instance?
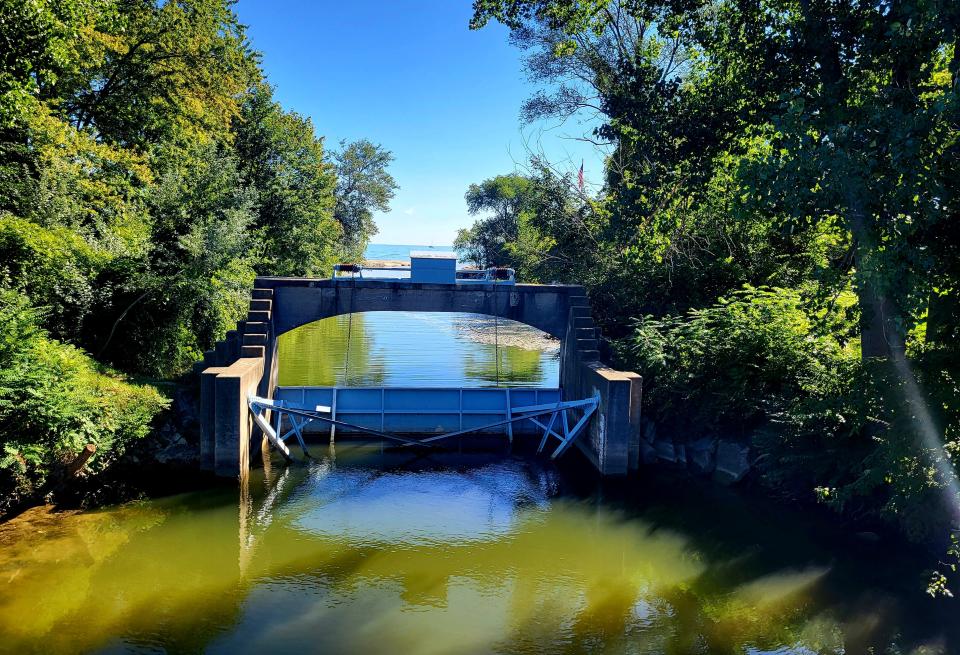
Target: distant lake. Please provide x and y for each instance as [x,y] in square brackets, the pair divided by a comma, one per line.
[398,252]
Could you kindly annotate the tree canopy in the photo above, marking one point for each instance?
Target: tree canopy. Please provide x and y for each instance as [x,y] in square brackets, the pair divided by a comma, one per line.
[147,175]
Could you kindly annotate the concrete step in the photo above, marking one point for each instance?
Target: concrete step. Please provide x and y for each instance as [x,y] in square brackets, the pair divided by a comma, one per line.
[262,294]
[253,351]
[254,327]
[234,340]
[580,322]
[261,304]
[580,312]
[584,345]
[208,357]
[222,353]
[251,339]
[585,333]
[589,355]
[259,316]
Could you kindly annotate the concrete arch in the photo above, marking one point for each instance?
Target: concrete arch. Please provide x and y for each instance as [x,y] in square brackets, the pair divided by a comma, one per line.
[292,305]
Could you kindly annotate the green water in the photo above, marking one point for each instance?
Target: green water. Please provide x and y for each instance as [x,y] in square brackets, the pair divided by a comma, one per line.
[372,552]
[418,349]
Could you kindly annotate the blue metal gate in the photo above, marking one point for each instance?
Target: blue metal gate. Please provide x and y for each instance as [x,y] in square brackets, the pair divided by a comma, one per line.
[419,410]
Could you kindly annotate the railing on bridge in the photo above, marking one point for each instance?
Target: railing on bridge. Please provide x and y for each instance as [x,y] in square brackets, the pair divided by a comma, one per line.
[428,266]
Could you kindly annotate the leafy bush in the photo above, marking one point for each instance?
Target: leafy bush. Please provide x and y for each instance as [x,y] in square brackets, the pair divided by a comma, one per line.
[54,266]
[722,368]
[873,441]
[54,400]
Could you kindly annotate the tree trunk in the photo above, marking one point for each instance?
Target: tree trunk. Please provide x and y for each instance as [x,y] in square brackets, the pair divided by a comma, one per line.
[880,336]
[880,327]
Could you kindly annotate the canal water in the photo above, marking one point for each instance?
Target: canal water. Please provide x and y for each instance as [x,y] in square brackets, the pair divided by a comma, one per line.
[417,349]
[366,551]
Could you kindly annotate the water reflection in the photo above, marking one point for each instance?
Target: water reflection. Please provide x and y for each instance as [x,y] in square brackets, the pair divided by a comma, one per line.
[389,552]
[401,509]
[418,349]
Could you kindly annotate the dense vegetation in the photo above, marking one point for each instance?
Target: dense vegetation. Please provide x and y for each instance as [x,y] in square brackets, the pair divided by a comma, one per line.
[776,245]
[146,176]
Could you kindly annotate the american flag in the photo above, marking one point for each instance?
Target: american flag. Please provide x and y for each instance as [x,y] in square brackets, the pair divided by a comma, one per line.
[580,177]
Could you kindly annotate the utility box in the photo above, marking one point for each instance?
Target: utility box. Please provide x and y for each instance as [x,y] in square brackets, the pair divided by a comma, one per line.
[433,266]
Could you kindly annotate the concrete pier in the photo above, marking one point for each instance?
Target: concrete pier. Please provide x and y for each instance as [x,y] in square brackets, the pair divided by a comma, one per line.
[245,362]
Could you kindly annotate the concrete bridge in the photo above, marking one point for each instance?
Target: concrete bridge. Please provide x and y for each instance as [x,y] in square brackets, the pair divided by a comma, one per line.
[245,363]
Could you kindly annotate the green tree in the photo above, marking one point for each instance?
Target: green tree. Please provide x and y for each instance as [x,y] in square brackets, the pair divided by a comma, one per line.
[857,103]
[283,160]
[363,186]
[154,71]
[504,197]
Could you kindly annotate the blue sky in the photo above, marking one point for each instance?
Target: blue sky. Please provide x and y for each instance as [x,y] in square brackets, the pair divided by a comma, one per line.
[409,74]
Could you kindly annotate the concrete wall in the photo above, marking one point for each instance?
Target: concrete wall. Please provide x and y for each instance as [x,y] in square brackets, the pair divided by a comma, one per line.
[245,362]
[612,441]
[227,431]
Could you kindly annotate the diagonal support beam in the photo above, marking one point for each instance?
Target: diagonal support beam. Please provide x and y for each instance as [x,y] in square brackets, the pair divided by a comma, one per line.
[264,425]
[546,431]
[543,426]
[575,432]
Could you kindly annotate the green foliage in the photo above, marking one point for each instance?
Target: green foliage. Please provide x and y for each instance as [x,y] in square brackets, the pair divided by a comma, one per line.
[280,156]
[201,265]
[506,198]
[724,368]
[363,186]
[858,437]
[53,266]
[54,400]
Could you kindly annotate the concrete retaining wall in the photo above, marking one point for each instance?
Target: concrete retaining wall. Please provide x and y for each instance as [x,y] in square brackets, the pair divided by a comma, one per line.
[612,442]
[227,430]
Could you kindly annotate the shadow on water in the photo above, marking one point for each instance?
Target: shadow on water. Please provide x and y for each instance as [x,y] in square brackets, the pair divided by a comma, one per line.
[386,551]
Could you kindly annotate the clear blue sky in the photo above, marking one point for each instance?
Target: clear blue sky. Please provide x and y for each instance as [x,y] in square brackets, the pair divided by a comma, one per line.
[409,74]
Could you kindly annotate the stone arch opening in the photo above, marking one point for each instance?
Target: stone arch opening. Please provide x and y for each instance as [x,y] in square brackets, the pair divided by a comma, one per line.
[419,349]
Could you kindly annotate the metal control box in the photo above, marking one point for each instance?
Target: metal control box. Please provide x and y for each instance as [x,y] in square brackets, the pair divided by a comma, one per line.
[433,266]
